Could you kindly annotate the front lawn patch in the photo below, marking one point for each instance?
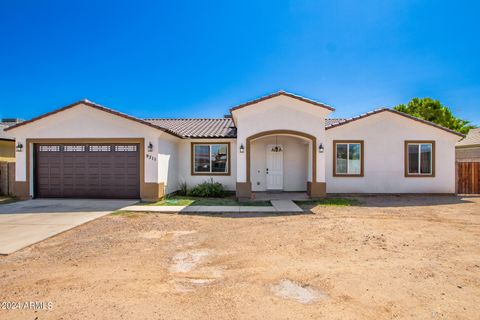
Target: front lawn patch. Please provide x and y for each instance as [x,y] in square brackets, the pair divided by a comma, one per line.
[200,201]
[340,202]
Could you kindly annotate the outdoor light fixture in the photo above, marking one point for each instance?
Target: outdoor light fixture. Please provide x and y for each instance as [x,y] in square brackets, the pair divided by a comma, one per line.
[19,147]
[276,148]
[320,148]
[150,147]
[242,148]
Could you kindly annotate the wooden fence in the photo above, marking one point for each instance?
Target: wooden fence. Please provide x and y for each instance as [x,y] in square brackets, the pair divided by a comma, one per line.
[468,177]
[7,178]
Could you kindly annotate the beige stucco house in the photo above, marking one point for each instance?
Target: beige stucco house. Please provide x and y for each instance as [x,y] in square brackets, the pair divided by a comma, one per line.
[280,142]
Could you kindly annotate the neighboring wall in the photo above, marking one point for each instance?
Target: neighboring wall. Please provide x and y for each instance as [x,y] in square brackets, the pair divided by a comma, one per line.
[467,153]
[295,163]
[384,135]
[184,164]
[7,150]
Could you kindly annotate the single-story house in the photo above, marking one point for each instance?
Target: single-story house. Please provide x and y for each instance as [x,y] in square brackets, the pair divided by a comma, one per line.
[468,149]
[7,142]
[280,142]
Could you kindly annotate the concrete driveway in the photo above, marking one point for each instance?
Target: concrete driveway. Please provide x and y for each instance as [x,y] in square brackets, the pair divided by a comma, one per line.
[24,223]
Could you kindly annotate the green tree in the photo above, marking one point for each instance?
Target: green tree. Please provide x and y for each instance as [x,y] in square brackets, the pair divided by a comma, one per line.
[432,110]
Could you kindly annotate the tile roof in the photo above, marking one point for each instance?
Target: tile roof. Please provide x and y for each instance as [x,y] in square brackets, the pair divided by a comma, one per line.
[472,139]
[3,134]
[208,128]
[198,128]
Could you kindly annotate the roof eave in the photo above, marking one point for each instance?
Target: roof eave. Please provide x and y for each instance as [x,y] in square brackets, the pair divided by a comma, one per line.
[279,93]
[95,106]
[371,113]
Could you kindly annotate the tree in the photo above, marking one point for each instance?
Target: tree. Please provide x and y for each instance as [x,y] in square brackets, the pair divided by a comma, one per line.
[432,110]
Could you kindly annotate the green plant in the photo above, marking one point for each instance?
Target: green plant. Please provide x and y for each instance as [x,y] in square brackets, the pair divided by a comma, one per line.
[208,189]
[432,110]
[183,190]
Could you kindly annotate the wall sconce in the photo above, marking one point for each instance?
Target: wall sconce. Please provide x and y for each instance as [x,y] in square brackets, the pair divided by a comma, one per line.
[242,148]
[150,147]
[320,148]
[19,147]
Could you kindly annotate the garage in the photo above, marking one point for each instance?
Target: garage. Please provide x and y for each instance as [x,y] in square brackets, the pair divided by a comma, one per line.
[88,170]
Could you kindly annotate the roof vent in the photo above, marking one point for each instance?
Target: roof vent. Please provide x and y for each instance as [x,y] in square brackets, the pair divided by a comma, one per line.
[227,116]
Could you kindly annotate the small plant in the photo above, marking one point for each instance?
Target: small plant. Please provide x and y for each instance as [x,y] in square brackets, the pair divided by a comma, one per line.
[182,190]
[208,189]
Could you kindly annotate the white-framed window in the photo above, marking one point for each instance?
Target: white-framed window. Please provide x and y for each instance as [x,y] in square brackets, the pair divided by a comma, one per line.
[210,158]
[49,149]
[419,158]
[99,148]
[348,158]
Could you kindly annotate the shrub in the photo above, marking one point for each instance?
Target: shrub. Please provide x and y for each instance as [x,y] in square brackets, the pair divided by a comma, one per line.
[208,189]
[182,190]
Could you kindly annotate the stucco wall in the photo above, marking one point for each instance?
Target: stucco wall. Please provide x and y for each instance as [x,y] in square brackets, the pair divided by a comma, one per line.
[280,113]
[84,122]
[295,163]
[7,150]
[384,135]
[184,164]
[168,162]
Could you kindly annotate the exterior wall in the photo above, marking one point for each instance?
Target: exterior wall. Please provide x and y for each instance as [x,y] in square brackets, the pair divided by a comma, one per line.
[185,164]
[84,122]
[280,113]
[295,163]
[467,153]
[384,135]
[7,150]
[168,163]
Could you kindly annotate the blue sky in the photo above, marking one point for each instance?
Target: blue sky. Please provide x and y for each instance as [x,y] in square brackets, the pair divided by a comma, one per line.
[198,58]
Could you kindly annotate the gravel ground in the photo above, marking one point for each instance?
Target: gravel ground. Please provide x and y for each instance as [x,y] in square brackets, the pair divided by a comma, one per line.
[405,257]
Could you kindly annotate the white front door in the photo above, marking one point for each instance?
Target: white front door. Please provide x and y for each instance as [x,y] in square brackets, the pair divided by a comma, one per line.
[274,169]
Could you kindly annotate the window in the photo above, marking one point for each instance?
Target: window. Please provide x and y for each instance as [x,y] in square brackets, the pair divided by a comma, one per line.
[348,158]
[73,148]
[99,148]
[49,148]
[210,158]
[419,158]
[126,148]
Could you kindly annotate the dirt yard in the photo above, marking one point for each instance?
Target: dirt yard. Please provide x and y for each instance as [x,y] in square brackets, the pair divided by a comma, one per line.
[391,258]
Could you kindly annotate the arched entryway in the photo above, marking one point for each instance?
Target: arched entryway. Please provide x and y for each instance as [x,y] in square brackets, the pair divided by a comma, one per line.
[311,174]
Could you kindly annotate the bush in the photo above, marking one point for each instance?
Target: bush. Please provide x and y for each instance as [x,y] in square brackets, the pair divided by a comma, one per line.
[182,191]
[208,189]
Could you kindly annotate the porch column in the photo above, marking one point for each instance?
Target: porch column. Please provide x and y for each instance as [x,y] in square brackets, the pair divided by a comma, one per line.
[243,185]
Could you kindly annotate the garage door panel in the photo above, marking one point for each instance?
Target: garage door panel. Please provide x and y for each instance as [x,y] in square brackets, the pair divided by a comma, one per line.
[87,171]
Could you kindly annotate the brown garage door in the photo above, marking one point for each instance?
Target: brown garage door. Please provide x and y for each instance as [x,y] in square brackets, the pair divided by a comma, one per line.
[87,171]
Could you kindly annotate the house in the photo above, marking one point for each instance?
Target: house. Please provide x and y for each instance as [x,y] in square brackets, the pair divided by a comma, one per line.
[277,142]
[7,142]
[468,149]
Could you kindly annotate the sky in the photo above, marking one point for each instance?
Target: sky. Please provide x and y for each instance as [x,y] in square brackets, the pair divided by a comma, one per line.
[186,59]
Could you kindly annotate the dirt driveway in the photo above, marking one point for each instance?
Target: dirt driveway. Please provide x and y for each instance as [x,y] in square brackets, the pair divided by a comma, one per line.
[391,258]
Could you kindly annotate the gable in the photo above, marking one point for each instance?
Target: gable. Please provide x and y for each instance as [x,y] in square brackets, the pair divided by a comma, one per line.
[88,106]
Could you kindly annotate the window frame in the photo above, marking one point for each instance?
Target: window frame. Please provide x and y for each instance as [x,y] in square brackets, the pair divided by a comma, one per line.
[209,143]
[362,158]
[419,175]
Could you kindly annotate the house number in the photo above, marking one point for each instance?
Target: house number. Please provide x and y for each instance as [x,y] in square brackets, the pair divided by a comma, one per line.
[151,157]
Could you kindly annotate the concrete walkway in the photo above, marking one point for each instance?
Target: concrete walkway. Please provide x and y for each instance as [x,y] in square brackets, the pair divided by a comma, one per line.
[24,223]
[285,206]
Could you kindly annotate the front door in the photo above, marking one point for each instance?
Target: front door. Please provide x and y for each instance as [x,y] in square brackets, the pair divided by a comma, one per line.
[274,169]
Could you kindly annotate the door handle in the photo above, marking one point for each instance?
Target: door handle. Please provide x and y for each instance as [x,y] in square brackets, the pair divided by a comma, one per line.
[267,170]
